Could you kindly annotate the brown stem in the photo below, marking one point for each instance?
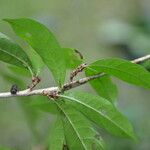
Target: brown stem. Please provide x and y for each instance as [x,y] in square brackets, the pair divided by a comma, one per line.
[53,91]
[75,72]
[35,81]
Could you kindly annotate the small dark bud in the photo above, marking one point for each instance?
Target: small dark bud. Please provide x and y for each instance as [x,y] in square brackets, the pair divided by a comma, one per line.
[14,89]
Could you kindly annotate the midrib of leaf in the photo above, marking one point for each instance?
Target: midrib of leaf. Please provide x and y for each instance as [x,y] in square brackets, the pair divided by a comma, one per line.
[84,146]
[58,46]
[101,66]
[24,63]
[94,110]
[130,74]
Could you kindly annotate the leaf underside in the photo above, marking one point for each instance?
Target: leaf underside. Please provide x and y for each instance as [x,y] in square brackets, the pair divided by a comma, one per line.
[13,54]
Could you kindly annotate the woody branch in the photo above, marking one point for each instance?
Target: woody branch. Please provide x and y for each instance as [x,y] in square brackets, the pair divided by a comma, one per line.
[51,90]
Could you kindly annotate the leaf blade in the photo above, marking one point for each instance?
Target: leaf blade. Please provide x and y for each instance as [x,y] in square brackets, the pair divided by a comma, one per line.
[103,85]
[101,112]
[37,62]
[12,53]
[57,136]
[78,131]
[44,104]
[43,42]
[73,58]
[124,70]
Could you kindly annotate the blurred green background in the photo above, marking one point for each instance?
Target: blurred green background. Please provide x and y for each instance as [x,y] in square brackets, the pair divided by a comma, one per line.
[98,28]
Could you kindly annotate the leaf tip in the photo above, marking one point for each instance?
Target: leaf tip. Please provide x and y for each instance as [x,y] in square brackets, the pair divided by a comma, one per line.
[6,20]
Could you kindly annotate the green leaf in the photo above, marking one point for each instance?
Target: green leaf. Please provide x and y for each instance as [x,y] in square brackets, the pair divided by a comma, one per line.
[44,104]
[78,131]
[102,113]
[146,65]
[19,71]
[13,54]
[124,70]
[43,42]
[57,136]
[103,85]
[37,62]
[72,57]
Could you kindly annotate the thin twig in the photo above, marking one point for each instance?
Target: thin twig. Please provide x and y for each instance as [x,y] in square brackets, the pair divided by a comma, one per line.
[28,92]
[141,59]
[76,71]
[65,87]
[35,81]
[81,81]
